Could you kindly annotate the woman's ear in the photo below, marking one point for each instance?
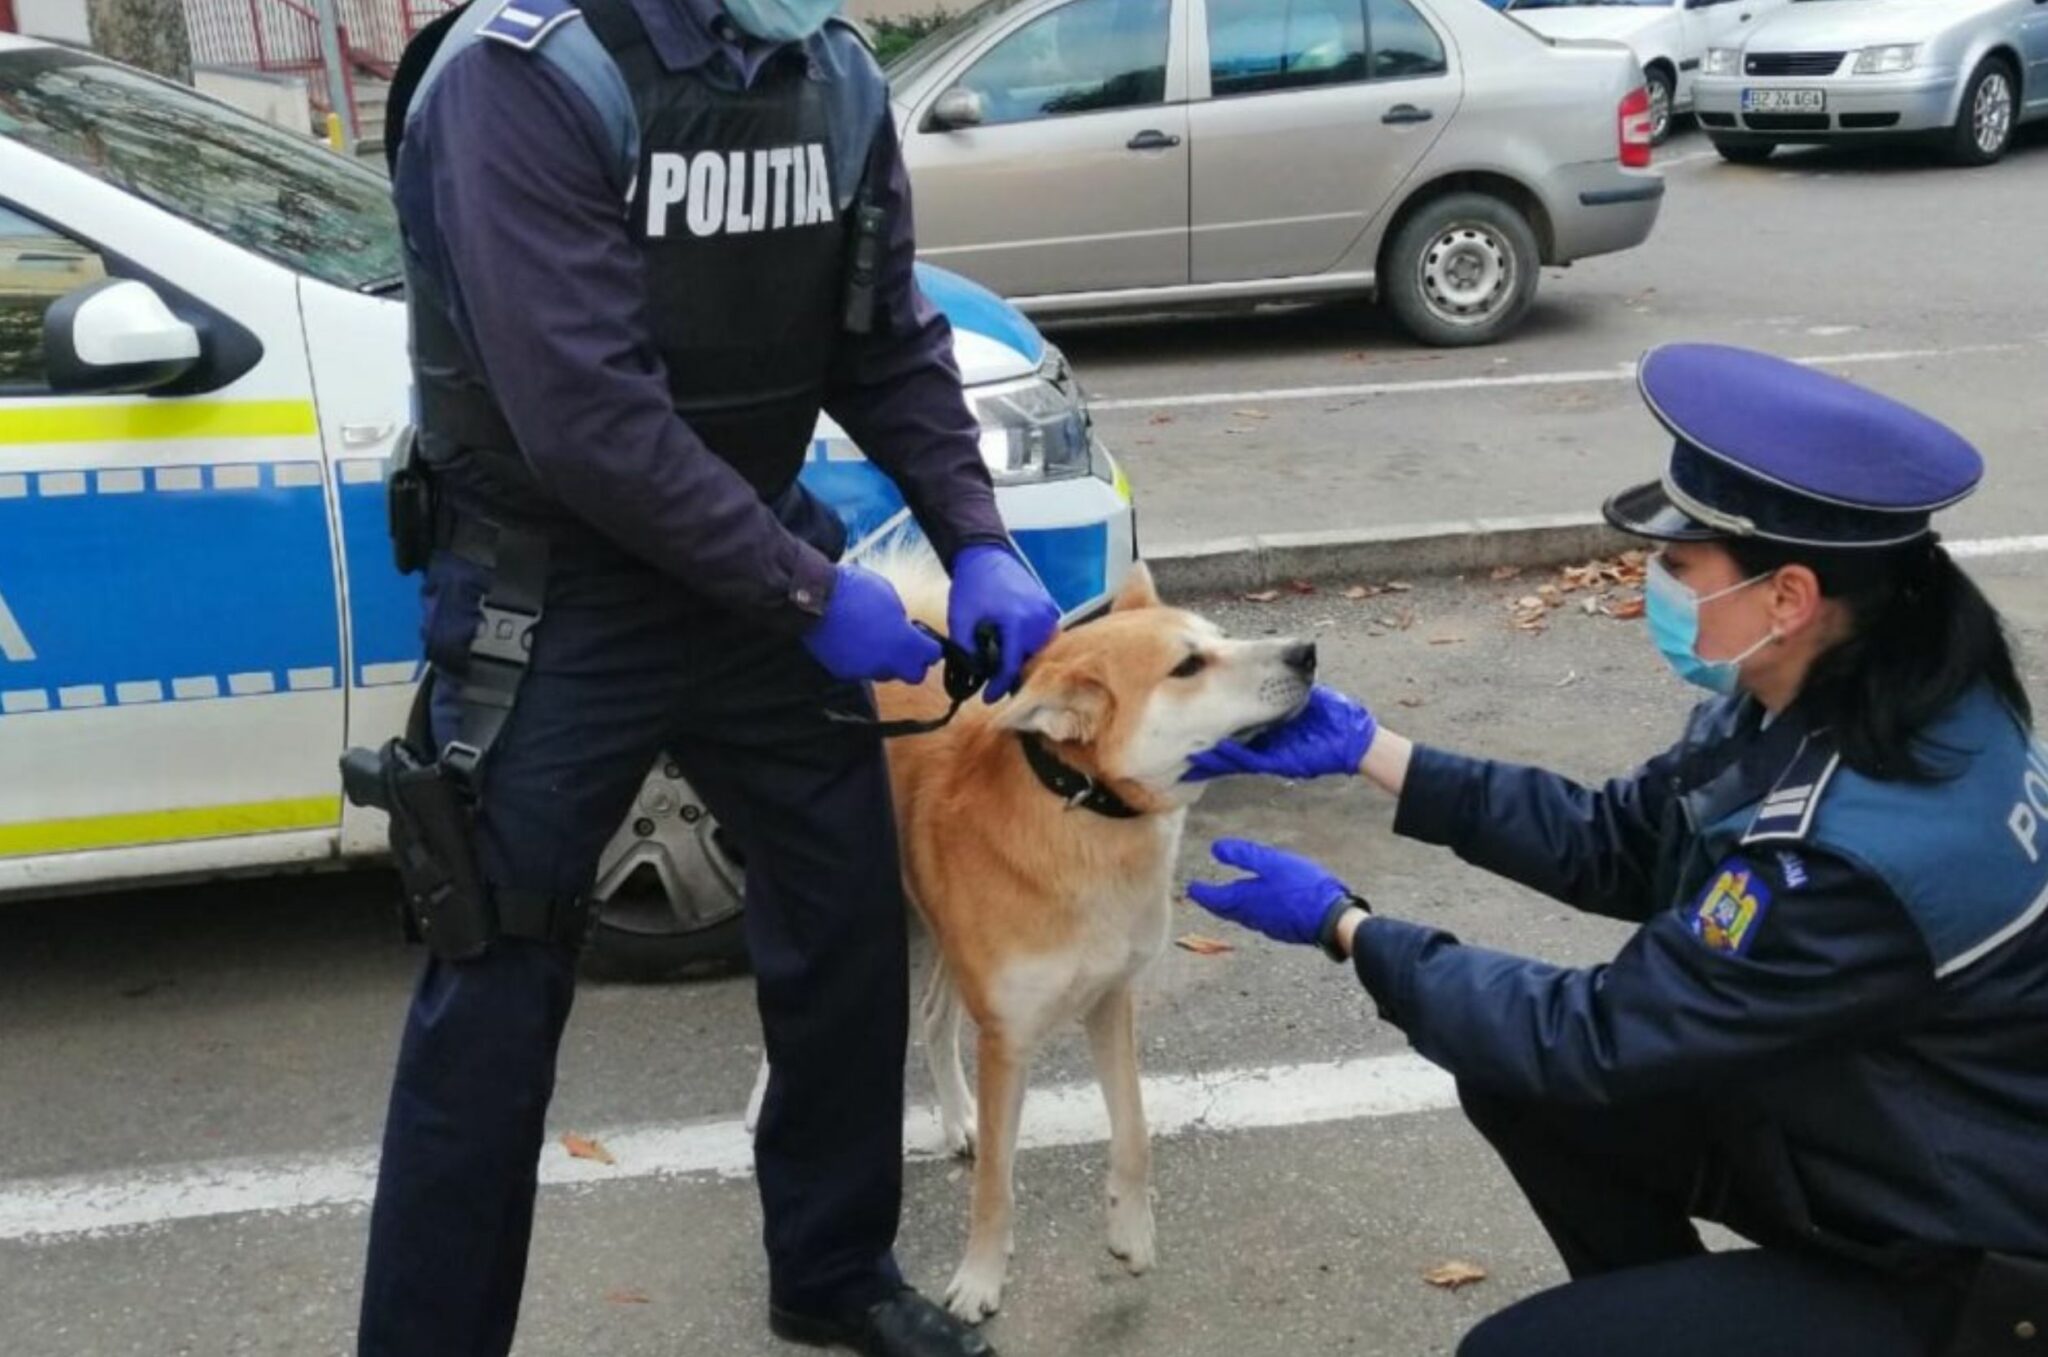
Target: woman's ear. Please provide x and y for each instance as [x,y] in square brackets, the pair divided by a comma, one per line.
[1796,600]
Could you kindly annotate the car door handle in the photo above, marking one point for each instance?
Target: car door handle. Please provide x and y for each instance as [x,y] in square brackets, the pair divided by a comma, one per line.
[1402,114]
[1151,139]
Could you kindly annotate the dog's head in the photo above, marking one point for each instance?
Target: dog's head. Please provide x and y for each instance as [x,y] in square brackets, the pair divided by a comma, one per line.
[1147,686]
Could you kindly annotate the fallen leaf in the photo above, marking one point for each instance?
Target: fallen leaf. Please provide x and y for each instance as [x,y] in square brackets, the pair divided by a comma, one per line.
[1398,586]
[1446,640]
[1409,702]
[1202,945]
[1249,414]
[1454,1274]
[583,1147]
[1550,594]
[1590,604]
[620,1295]
[1300,587]
[1406,619]
[1627,610]
[1360,591]
[1160,418]
[1528,601]
[1262,596]
[1505,572]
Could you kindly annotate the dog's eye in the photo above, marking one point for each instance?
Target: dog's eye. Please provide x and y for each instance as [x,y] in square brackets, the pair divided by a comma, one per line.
[1189,667]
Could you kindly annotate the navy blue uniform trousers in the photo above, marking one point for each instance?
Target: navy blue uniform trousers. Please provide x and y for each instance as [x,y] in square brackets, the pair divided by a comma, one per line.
[1618,1189]
[622,671]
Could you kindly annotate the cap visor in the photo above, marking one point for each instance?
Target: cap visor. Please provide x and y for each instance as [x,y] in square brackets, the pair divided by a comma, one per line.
[1646,511]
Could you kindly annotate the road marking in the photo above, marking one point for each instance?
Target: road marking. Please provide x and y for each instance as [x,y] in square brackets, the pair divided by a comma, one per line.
[14,643]
[52,1209]
[1997,546]
[1622,372]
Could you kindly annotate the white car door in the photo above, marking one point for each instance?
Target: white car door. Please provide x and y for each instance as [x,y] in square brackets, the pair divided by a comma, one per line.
[171,693]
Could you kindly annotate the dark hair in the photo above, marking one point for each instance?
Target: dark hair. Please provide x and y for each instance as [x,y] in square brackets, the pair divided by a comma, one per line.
[1921,635]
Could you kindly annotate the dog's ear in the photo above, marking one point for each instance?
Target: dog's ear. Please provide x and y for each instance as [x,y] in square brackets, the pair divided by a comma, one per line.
[1066,703]
[1137,591]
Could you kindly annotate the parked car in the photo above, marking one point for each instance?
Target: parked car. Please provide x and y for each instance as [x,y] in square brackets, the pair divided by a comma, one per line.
[1669,37]
[1961,75]
[1094,156]
[202,371]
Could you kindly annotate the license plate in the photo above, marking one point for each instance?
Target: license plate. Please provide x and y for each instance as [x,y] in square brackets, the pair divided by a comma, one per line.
[1784,101]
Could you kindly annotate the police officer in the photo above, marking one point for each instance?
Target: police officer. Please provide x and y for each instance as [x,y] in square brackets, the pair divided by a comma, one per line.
[647,241]
[1826,1031]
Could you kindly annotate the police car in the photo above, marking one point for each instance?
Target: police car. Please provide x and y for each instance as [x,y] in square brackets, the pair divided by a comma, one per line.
[202,375]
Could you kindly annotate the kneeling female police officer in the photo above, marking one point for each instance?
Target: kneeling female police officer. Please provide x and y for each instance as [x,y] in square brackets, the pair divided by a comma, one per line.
[1830,1029]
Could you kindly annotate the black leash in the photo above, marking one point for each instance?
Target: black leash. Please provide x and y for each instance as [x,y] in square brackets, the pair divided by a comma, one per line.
[966,675]
[1070,784]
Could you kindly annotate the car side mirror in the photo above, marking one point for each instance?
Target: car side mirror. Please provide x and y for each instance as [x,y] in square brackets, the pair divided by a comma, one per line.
[958,108]
[115,335]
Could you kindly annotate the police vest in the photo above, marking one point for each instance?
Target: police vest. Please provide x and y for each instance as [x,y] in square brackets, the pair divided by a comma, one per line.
[744,203]
[1966,855]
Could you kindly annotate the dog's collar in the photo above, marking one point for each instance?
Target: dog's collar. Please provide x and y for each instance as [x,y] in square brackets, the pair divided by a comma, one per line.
[1070,784]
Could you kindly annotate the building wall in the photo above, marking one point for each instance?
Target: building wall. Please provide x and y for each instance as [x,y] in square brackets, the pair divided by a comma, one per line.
[60,20]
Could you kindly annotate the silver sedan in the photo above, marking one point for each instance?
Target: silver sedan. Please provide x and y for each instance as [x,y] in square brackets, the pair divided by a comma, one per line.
[1088,156]
[1961,75]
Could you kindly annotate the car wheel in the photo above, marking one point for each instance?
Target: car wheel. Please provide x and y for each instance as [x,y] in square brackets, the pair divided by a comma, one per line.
[1744,152]
[1461,270]
[669,897]
[1662,94]
[1984,122]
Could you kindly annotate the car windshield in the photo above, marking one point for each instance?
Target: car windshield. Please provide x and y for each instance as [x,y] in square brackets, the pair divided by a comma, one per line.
[1573,4]
[282,196]
[912,61]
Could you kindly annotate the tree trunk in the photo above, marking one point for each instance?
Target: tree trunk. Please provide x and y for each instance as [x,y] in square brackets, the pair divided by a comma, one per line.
[146,33]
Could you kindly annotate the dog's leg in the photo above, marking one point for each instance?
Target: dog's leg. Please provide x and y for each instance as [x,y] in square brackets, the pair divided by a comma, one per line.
[758,1096]
[939,1010]
[976,1291]
[1112,1034]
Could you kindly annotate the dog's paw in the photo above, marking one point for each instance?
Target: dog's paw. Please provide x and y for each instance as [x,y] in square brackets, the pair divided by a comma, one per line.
[959,1137]
[1131,1230]
[976,1291]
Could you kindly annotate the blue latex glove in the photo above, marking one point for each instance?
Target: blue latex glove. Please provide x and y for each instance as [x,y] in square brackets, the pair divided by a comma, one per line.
[992,588]
[1288,898]
[1330,735]
[864,636]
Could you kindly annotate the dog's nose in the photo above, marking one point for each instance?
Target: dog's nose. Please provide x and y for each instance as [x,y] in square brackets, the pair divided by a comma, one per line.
[1301,658]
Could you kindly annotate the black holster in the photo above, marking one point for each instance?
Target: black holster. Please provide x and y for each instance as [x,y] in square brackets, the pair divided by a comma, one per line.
[431,789]
[433,845]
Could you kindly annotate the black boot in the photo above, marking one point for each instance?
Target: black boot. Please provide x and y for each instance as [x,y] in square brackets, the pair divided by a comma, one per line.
[905,1325]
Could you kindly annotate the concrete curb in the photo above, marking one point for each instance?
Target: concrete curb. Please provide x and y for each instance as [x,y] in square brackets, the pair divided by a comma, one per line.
[1374,555]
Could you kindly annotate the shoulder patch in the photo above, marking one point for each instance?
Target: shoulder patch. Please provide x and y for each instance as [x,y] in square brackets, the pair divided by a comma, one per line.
[525,24]
[1726,916]
[1786,814]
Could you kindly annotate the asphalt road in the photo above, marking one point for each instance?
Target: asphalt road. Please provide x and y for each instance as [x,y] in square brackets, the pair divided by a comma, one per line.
[162,1052]
[1922,275]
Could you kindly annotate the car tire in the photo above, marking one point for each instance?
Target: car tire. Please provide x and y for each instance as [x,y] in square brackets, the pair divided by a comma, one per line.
[1987,116]
[1663,95]
[1742,152]
[1461,270]
[669,899]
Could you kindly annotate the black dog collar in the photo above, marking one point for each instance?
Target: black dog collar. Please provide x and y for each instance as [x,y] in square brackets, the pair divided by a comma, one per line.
[1070,784]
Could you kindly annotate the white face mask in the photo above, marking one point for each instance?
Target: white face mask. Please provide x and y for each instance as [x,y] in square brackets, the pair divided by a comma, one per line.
[1673,612]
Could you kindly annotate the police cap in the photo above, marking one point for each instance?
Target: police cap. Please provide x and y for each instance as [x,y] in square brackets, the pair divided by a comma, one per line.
[1772,449]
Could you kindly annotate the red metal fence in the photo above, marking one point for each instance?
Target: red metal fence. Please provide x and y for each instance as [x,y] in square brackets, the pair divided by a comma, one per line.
[283,36]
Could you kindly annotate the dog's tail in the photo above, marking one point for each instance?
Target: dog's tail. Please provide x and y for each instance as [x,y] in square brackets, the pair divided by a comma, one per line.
[914,569]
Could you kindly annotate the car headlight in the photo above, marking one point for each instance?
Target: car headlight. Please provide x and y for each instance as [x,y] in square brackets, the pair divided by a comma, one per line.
[1886,60]
[1036,429]
[1722,61]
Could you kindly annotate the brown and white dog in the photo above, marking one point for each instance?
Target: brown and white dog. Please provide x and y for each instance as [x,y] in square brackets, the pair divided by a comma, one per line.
[1038,840]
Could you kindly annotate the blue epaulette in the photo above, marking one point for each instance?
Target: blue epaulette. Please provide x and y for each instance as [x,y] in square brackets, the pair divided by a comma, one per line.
[525,24]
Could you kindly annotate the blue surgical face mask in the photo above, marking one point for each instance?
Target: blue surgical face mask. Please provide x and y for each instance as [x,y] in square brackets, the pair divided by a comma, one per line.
[1674,616]
[781,20]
